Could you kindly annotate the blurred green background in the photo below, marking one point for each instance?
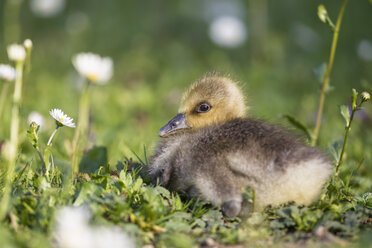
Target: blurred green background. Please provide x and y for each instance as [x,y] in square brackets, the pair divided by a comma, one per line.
[160,47]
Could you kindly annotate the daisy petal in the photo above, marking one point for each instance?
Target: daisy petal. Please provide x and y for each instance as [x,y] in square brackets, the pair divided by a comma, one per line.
[61,118]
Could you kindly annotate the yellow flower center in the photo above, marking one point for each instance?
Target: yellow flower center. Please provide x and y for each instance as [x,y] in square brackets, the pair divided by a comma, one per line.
[61,119]
[93,78]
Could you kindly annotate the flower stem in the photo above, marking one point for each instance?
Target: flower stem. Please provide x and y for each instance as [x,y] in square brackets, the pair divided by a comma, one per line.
[52,136]
[42,161]
[328,73]
[353,110]
[47,153]
[345,140]
[81,132]
[13,145]
[4,94]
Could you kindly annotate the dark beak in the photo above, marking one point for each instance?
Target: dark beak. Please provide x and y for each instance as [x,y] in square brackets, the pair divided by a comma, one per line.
[177,123]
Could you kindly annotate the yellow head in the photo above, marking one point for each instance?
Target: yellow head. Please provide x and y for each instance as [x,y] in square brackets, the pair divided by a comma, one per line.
[210,100]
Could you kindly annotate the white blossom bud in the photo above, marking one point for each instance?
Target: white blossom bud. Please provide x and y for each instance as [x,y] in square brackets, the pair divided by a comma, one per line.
[16,52]
[322,13]
[365,96]
[28,44]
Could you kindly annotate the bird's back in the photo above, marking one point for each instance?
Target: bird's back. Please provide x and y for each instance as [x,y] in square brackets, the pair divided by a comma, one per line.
[253,138]
[254,154]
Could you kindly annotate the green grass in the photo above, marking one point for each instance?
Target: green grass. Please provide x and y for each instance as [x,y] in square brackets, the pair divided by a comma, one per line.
[153,215]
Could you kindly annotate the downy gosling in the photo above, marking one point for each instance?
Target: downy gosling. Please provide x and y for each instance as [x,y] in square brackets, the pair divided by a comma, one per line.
[212,150]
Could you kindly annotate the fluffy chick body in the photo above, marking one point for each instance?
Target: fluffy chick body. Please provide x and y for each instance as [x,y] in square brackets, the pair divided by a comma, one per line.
[218,160]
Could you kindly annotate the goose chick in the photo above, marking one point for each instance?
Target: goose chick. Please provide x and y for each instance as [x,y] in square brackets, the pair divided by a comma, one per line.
[211,150]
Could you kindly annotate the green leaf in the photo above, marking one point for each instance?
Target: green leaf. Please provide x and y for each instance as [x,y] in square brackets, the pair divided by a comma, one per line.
[87,192]
[296,215]
[181,216]
[296,123]
[311,218]
[355,96]
[42,183]
[176,202]
[163,191]
[175,239]
[32,134]
[213,218]
[137,185]
[256,219]
[335,149]
[367,199]
[198,223]
[344,110]
[177,225]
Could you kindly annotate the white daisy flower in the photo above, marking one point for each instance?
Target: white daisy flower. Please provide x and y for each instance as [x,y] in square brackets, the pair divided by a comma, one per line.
[112,237]
[16,52]
[73,231]
[7,72]
[47,8]
[36,117]
[94,67]
[61,118]
[228,31]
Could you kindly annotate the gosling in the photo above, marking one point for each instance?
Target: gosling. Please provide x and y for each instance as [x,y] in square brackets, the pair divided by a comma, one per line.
[212,150]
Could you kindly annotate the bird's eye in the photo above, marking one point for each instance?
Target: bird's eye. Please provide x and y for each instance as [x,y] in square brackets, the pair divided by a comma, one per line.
[203,108]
